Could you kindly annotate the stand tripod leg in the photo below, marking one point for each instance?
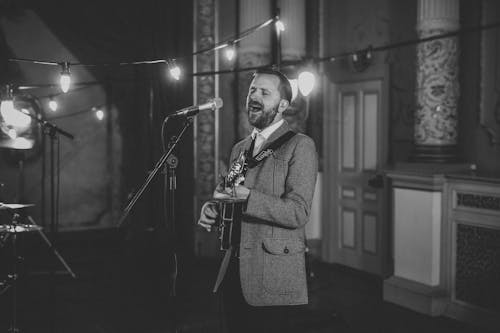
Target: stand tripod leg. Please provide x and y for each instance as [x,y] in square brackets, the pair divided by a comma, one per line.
[54,250]
[13,326]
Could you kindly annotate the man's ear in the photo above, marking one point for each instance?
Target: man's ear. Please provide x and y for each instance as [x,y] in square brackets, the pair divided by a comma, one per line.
[283,105]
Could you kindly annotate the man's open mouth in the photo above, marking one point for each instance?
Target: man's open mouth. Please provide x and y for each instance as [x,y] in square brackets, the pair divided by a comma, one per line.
[254,107]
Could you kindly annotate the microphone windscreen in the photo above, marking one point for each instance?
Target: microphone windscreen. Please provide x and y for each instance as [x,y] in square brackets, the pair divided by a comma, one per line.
[218,102]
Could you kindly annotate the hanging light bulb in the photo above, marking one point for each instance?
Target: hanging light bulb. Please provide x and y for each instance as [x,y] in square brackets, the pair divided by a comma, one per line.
[65,79]
[99,114]
[53,104]
[230,51]
[306,82]
[280,26]
[174,70]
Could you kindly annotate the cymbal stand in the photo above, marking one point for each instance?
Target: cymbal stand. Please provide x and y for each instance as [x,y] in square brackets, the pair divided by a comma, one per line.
[11,280]
[52,248]
[13,277]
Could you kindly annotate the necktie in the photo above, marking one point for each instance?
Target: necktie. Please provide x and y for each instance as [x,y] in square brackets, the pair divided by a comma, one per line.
[259,140]
[250,149]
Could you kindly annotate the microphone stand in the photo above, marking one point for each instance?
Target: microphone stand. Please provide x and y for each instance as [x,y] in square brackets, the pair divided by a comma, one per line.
[171,185]
[171,162]
[52,131]
[152,174]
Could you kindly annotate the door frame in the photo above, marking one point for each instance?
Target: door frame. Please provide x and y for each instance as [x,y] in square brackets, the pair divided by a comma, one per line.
[331,198]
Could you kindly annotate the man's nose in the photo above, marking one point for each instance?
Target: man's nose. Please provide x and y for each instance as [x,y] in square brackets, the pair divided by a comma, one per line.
[255,97]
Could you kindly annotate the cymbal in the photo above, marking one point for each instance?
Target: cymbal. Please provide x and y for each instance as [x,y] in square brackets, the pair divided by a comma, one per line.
[14,228]
[14,206]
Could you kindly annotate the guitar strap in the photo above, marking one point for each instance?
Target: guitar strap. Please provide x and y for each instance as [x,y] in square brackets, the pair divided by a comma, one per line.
[263,154]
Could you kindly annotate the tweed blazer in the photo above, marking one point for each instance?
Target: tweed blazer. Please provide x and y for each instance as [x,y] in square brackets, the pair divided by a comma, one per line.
[272,258]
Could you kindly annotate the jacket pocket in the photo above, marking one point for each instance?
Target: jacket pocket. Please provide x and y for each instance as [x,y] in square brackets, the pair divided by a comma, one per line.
[284,265]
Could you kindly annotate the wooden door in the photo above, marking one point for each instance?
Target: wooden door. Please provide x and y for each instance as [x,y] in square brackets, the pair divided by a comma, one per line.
[355,224]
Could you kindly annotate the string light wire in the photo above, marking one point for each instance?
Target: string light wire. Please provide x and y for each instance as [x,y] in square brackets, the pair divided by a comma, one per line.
[246,33]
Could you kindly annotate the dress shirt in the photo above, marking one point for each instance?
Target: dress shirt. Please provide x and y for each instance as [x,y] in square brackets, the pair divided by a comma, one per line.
[262,135]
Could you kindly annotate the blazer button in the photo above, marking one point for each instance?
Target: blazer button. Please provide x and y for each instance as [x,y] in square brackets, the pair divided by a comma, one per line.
[286,250]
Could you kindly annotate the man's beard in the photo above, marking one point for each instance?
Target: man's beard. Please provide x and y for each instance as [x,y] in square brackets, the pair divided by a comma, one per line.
[263,118]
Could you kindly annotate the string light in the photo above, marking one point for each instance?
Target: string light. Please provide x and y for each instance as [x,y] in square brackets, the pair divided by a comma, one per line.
[230,51]
[280,27]
[174,70]
[65,79]
[306,82]
[53,104]
[98,113]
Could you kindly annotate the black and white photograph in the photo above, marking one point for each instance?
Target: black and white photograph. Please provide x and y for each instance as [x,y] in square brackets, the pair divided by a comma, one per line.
[250,166]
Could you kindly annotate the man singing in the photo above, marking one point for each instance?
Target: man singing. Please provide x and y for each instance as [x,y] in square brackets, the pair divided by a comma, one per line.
[263,278]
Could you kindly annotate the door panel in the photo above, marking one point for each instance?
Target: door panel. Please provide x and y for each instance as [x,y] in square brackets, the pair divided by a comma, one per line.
[355,151]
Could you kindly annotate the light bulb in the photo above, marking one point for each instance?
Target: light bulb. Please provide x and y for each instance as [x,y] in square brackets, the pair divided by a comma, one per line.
[65,79]
[175,72]
[306,82]
[53,105]
[280,26]
[65,82]
[99,114]
[230,52]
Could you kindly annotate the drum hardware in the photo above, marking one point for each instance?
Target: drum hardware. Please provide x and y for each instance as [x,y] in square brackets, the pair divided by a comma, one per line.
[12,230]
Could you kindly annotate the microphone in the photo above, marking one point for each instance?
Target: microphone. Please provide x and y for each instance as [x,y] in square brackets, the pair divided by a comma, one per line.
[194,109]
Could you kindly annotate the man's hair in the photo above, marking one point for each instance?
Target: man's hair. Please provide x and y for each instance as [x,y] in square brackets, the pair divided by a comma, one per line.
[284,87]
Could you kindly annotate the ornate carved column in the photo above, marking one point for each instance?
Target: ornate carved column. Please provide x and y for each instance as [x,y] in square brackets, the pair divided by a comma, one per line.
[437,82]
[254,50]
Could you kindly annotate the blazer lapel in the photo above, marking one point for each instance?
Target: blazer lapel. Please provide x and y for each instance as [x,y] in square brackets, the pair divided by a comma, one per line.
[276,134]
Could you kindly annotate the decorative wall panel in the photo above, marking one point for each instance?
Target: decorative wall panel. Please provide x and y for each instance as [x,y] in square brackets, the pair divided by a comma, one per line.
[370,233]
[348,228]
[348,131]
[477,279]
[370,131]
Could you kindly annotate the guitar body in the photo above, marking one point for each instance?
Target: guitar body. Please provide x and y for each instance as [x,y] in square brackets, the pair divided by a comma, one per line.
[229,221]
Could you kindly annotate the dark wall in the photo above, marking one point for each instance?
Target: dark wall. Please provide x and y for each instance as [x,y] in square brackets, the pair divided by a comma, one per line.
[402,62]
[479,121]
[114,32]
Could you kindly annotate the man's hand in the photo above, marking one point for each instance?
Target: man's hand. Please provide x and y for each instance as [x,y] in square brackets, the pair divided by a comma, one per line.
[240,192]
[208,215]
